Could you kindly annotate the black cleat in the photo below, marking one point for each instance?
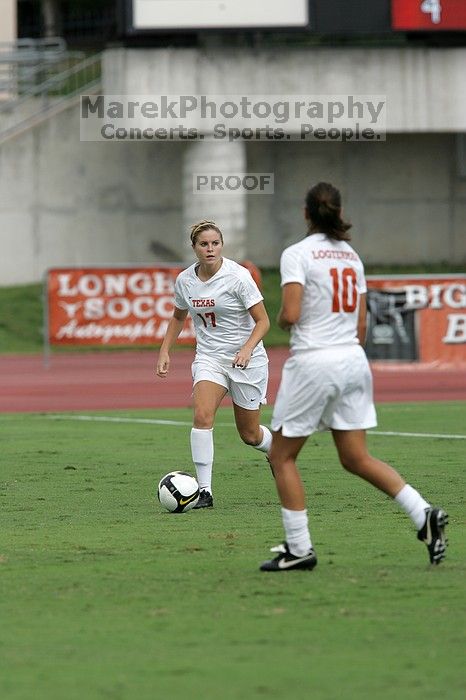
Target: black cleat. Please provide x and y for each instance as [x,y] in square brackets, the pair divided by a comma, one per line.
[205,500]
[433,534]
[287,561]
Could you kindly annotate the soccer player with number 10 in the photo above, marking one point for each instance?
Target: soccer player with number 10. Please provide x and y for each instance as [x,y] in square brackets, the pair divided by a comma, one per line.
[327,382]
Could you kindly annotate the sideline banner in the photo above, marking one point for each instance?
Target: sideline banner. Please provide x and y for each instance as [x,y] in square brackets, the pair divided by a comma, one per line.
[112,306]
[411,318]
[417,318]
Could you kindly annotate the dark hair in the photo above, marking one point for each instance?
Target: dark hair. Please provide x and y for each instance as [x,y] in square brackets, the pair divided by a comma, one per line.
[323,205]
[204,225]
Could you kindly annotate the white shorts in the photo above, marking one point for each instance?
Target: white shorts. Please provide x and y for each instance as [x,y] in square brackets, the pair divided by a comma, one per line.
[247,387]
[325,388]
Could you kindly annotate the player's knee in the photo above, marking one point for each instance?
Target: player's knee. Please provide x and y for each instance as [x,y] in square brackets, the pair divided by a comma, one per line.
[203,420]
[353,463]
[277,460]
[250,437]
[349,461]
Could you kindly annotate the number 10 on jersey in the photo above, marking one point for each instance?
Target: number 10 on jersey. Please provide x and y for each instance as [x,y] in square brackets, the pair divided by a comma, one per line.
[345,294]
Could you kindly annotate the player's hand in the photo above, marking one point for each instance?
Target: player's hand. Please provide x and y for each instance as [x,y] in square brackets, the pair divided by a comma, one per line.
[241,359]
[163,365]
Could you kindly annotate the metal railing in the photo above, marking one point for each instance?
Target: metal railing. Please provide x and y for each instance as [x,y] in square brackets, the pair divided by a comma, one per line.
[24,62]
[39,78]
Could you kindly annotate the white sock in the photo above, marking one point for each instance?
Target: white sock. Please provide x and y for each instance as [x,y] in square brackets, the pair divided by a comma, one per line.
[297,531]
[266,443]
[413,504]
[202,450]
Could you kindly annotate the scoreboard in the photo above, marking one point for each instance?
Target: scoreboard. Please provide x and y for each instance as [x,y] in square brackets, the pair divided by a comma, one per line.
[324,17]
[169,15]
[430,15]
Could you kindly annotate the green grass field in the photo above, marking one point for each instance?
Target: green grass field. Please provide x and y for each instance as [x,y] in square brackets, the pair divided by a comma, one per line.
[105,596]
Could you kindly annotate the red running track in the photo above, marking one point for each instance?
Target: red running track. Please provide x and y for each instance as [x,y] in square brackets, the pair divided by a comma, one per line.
[124,380]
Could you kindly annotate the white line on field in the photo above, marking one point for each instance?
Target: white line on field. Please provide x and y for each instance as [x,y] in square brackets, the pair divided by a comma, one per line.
[428,435]
[157,421]
[121,419]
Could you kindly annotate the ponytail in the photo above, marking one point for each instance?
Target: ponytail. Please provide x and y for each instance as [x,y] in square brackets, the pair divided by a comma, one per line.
[323,204]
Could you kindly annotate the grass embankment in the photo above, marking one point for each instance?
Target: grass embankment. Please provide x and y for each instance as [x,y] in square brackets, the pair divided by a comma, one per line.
[22,318]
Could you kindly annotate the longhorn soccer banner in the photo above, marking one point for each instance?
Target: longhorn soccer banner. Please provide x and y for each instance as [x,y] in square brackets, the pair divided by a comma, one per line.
[112,306]
[417,318]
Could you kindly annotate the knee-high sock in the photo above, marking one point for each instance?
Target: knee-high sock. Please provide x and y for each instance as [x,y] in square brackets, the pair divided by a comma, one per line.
[202,450]
[297,531]
[413,505]
[266,442]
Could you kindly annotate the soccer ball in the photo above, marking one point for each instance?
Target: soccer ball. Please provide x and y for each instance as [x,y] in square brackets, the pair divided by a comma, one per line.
[178,492]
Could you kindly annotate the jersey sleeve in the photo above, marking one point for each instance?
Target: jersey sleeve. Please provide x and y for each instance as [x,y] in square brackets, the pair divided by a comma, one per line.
[291,269]
[361,281]
[248,291]
[179,299]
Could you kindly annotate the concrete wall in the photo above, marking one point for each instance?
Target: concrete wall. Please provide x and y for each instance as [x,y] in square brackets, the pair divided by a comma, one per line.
[63,202]
[425,88]
[404,197]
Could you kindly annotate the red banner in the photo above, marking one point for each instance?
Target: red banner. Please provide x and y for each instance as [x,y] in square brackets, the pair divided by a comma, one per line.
[419,318]
[432,15]
[112,306]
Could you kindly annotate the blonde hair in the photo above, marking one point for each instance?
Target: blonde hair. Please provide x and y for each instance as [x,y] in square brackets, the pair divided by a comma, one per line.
[204,225]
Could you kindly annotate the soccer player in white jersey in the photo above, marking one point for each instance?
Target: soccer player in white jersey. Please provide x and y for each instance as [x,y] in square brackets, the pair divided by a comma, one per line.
[327,384]
[230,321]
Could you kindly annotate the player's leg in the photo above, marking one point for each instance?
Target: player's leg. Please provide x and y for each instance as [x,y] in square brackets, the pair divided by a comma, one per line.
[429,522]
[300,402]
[250,430]
[296,552]
[207,397]
[354,457]
[248,391]
[283,456]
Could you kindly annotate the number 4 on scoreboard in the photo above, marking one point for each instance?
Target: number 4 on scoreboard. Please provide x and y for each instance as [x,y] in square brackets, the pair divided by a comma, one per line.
[432,8]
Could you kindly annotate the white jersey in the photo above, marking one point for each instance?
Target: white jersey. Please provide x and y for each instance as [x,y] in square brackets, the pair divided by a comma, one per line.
[219,310]
[332,275]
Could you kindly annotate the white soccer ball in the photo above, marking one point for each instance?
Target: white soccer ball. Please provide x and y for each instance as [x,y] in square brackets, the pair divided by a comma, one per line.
[178,492]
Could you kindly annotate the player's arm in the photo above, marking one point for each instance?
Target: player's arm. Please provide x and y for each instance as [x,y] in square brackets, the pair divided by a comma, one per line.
[362,320]
[174,329]
[290,311]
[262,325]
